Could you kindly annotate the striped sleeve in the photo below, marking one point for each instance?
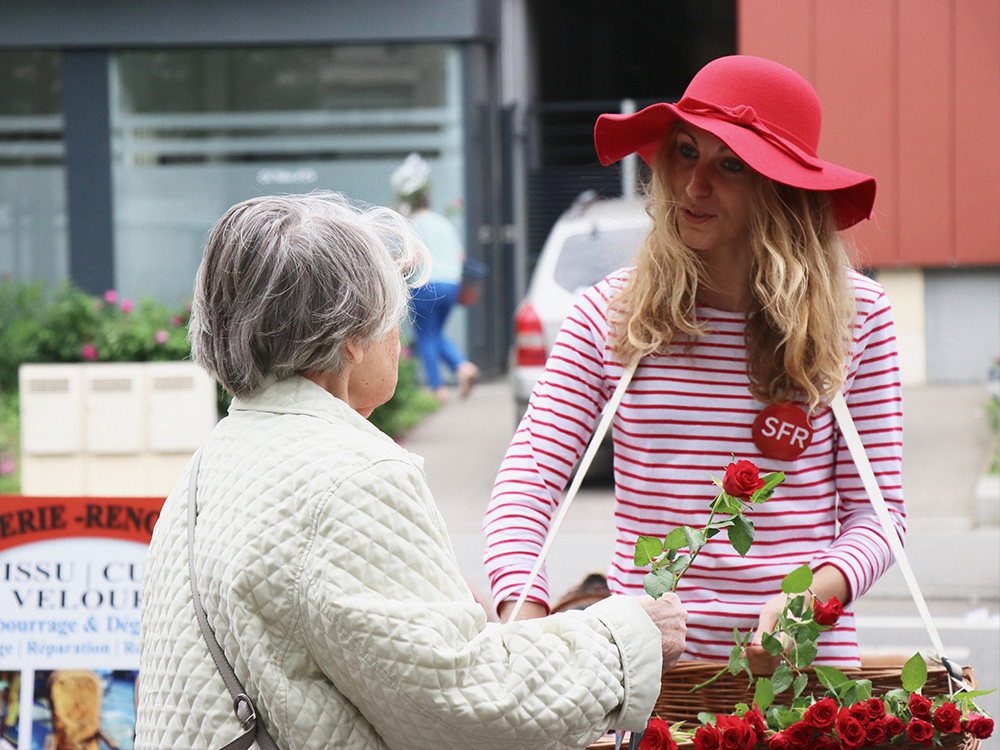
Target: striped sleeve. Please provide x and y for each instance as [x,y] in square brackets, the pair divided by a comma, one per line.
[550,439]
[874,399]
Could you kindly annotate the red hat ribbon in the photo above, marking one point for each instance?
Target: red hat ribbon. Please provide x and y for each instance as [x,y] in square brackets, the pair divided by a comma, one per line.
[747,117]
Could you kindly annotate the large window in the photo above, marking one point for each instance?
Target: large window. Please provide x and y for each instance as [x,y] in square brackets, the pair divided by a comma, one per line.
[195,131]
[33,245]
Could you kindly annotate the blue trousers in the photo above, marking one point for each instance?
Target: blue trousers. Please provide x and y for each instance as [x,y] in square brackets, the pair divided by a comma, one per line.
[431,304]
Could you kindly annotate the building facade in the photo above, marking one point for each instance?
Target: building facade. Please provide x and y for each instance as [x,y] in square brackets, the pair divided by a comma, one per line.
[127,129]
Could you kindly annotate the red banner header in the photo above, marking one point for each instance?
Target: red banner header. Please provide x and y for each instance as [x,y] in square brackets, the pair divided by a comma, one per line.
[26,520]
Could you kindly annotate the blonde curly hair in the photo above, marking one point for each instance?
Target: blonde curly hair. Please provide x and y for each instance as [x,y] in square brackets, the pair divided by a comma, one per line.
[799,328]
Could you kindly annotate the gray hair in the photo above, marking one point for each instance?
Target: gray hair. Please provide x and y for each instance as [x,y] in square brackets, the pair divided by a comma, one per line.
[287,281]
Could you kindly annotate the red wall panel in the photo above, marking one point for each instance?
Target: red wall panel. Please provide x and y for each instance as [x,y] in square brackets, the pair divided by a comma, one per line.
[925,134]
[854,79]
[911,95]
[977,132]
[781,30]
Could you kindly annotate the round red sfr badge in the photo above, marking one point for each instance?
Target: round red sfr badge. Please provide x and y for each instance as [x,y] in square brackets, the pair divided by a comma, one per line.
[782,431]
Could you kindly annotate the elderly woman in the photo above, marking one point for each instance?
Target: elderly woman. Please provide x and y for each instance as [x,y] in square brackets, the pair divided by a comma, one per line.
[324,568]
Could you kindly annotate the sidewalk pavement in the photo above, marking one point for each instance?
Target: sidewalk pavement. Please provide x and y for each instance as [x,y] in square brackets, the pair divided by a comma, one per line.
[946,446]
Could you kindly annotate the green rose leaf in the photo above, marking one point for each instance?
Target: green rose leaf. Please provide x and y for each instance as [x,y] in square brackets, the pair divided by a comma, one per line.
[724,503]
[675,539]
[781,680]
[695,539]
[798,581]
[830,677]
[763,694]
[771,644]
[914,674]
[678,565]
[647,548]
[657,583]
[741,534]
[803,654]
[801,680]
[771,481]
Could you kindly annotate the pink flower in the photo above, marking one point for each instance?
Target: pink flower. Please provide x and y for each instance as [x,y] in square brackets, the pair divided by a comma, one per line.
[127,305]
[111,296]
[161,336]
[89,352]
[8,467]
[177,321]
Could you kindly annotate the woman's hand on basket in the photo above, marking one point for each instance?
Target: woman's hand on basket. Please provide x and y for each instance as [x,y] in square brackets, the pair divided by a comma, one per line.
[669,615]
[761,662]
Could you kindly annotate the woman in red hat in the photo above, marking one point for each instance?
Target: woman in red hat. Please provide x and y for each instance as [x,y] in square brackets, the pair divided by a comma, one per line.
[745,320]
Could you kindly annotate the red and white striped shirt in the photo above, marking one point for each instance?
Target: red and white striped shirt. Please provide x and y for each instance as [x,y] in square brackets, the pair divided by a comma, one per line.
[687,411]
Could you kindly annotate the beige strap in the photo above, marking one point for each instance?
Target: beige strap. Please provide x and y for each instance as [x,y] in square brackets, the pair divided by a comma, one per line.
[243,707]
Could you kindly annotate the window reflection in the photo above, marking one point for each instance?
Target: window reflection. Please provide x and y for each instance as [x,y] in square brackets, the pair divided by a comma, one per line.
[33,244]
[195,131]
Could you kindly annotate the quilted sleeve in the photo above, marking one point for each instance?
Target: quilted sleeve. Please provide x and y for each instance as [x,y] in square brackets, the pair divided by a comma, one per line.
[392,624]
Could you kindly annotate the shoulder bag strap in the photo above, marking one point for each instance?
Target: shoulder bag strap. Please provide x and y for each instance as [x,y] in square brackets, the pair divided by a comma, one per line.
[857,449]
[243,707]
[588,456]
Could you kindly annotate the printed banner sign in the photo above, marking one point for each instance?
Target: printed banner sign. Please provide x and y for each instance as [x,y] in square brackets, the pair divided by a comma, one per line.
[70,592]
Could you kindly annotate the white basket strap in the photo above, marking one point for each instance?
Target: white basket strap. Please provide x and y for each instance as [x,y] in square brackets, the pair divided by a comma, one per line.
[857,449]
[595,442]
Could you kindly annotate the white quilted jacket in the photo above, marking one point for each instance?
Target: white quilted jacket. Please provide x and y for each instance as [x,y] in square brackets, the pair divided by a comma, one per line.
[330,581]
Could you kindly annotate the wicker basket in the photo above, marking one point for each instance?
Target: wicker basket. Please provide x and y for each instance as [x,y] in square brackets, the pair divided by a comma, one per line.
[676,703]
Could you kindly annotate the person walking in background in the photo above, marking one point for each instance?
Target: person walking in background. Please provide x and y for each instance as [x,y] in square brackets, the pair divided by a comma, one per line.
[741,307]
[432,302]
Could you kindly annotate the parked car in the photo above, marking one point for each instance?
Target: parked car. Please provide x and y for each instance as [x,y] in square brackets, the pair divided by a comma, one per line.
[593,238]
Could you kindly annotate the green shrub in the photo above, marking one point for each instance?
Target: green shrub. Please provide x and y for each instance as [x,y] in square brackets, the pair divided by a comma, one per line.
[408,405]
[68,325]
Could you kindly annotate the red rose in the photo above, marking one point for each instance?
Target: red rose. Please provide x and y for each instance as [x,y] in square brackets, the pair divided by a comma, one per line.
[875,734]
[824,742]
[948,719]
[920,707]
[893,726]
[757,723]
[821,714]
[978,726]
[860,712]
[827,613]
[875,708]
[920,731]
[778,742]
[657,736]
[742,480]
[736,734]
[799,734]
[708,738]
[850,731]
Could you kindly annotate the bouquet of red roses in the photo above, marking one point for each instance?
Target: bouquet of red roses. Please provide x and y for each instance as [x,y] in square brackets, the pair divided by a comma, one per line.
[844,717]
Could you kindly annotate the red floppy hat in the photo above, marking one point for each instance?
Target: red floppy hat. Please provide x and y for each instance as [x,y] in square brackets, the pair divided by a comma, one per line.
[766,113]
